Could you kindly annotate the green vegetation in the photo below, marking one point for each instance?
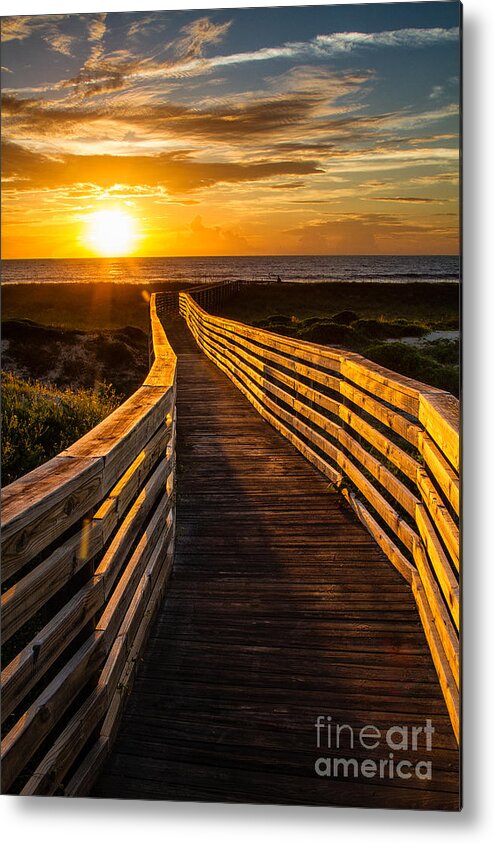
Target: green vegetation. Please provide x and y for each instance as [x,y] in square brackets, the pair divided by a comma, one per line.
[107,306]
[72,359]
[83,307]
[383,328]
[435,305]
[55,389]
[425,364]
[39,421]
[85,334]
[328,332]
[363,318]
[433,362]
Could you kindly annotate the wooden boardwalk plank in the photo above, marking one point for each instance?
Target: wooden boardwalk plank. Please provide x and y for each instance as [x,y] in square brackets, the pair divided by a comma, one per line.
[280,608]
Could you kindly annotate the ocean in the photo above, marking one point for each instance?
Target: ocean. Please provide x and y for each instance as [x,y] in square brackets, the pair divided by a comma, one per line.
[293,268]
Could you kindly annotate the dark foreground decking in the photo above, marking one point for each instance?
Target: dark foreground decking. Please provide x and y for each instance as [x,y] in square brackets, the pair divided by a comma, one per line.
[280,608]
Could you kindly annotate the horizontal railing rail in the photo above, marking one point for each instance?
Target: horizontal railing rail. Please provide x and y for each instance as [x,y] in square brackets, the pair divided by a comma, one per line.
[167,302]
[390,444]
[209,295]
[87,546]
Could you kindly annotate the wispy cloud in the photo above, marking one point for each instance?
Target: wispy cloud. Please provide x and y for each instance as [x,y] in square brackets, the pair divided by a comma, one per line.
[18,28]
[437,92]
[452,177]
[197,35]
[326,46]
[218,120]
[411,38]
[59,42]
[409,200]
[46,26]
[96,27]
[317,115]
[189,59]
[144,25]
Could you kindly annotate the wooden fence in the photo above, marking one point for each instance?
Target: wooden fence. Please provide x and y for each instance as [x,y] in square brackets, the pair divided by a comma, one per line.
[87,546]
[389,443]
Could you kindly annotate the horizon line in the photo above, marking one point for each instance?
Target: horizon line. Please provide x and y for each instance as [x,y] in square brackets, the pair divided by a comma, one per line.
[253,257]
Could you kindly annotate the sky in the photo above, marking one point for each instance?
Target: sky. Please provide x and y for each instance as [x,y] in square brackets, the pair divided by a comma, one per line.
[296,130]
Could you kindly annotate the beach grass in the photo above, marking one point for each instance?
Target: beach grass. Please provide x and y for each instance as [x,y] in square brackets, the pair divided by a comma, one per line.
[108,306]
[432,304]
[85,307]
[39,421]
[370,319]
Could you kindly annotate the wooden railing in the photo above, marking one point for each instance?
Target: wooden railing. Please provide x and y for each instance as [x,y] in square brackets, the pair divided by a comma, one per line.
[208,295]
[167,303]
[381,438]
[87,546]
[212,295]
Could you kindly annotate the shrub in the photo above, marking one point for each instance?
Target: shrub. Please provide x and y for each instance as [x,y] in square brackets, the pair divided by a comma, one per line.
[324,332]
[452,324]
[444,351]
[382,329]
[415,363]
[113,353]
[345,317]
[312,320]
[277,319]
[285,330]
[39,421]
[131,334]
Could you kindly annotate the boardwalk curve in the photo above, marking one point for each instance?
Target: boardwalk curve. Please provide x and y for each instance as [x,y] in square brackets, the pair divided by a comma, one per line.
[308,559]
[281,608]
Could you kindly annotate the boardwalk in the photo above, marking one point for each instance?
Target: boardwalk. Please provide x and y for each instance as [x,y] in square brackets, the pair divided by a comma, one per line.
[280,608]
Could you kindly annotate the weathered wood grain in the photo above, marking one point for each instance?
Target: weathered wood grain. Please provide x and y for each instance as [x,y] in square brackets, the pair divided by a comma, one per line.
[34,590]
[446,679]
[32,662]
[444,475]
[115,488]
[439,611]
[390,549]
[30,665]
[283,379]
[442,519]
[440,414]
[281,606]
[121,658]
[40,506]
[440,563]
[280,601]
[22,741]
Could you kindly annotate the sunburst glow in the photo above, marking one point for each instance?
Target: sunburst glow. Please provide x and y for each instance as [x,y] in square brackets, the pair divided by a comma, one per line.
[111,233]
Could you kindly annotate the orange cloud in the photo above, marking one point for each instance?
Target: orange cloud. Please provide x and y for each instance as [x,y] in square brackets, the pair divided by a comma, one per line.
[373,233]
[25,170]
[199,239]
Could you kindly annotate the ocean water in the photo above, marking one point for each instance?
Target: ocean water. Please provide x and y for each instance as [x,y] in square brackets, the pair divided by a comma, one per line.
[293,268]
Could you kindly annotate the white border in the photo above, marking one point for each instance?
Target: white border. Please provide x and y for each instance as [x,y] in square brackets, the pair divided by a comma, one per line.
[79,821]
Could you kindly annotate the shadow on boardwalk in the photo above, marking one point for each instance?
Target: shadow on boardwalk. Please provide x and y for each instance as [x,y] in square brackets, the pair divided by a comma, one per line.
[280,608]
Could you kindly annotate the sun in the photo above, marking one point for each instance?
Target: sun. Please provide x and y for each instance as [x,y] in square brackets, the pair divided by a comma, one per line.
[112,233]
